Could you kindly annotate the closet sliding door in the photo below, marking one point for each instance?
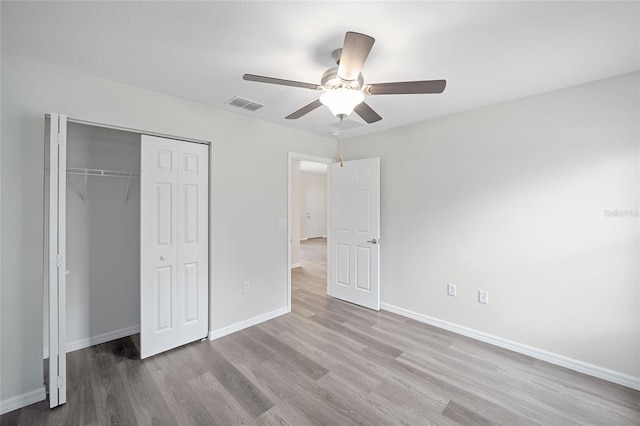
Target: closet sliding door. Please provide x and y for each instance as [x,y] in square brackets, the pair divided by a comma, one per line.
[174,244]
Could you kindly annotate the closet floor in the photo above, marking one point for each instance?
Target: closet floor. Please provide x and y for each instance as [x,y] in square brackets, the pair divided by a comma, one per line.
[330,363]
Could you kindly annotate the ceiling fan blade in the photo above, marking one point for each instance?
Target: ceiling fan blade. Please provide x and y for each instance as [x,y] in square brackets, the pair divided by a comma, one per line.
[355,50]
[367,113]
[304,110]
[281,82]
[405,87]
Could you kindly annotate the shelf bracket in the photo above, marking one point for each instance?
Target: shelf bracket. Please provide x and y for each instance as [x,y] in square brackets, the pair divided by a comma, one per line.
[84,192]
[126,195]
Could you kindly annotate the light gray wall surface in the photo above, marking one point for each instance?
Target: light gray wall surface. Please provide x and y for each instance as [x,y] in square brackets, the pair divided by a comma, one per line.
[103,235]
[249,171]
[513,199]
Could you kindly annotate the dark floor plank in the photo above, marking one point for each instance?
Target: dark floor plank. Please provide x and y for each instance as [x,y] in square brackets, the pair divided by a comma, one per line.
[146,399]
[242,389]
[294,359]
[464,416]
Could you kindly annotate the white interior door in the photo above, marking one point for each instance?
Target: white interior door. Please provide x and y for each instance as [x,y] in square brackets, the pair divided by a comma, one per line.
[193,241]
[354,232]
[314,221]
[57,199]
[174,244]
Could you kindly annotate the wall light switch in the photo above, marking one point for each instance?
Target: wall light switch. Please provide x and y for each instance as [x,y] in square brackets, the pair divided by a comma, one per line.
[451,289]
[483,297]
[246,287]
[282,222]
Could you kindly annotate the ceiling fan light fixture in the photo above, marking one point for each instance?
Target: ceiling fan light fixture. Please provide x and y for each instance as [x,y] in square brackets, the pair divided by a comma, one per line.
[342,101]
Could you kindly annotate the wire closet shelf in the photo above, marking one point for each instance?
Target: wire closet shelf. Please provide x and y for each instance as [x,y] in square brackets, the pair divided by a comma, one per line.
[103,173]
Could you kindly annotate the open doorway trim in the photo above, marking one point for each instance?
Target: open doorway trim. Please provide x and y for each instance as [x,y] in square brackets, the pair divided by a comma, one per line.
[301,157]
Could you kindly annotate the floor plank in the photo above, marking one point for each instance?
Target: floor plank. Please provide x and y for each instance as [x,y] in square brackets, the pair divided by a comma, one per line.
[328,363]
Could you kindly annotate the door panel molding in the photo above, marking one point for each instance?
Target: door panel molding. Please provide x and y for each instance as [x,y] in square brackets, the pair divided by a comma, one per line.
[174,230]
[354,232]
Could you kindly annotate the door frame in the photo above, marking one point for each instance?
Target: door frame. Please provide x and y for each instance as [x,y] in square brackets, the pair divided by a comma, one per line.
[295,156]
[57,313]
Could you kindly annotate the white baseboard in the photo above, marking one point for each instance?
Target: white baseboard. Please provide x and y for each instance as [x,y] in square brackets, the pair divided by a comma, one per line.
[23,400]
[296,265]
[96,340]
[550,357]
[214,334]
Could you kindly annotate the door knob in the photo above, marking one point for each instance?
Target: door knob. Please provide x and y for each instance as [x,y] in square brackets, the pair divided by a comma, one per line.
[161,257]
[374,241]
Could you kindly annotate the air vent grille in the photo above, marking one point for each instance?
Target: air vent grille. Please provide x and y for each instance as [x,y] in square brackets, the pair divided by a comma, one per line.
[244,103]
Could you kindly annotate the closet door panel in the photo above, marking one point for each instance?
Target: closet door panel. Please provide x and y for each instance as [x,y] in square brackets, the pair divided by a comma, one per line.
[193,241]
[159,285]
[56,259]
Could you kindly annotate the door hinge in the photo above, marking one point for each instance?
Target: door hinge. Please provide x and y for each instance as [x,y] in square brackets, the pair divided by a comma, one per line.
[58,260]
[60,381]
[59,139]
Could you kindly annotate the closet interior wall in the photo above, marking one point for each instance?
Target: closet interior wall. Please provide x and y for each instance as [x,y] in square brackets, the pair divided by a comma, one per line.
[103,237]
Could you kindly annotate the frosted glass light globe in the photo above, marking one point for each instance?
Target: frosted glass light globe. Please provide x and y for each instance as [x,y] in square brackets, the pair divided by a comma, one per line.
[341,101]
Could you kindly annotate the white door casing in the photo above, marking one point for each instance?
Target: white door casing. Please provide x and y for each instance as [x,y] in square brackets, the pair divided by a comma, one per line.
[174,244]
[56,253]
[314,220]
[354,232]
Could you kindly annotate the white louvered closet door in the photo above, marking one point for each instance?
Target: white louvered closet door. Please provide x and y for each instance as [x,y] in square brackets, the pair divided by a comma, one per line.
[174,244]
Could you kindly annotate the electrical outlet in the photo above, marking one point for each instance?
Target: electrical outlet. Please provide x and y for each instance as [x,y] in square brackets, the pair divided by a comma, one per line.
[246,287]
[483,297]
[451,289]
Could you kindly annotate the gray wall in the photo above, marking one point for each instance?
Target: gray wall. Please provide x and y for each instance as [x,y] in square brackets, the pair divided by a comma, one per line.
[249,169]
[511,199]
[103,236]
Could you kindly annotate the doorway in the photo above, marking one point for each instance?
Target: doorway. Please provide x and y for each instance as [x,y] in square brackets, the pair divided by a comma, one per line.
[307,173]
[314,213]
[353,224]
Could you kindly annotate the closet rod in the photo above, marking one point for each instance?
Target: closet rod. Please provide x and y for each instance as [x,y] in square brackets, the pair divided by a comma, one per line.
[100,172]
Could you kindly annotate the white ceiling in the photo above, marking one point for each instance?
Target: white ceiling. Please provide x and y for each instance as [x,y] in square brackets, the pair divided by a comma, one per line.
[488,52]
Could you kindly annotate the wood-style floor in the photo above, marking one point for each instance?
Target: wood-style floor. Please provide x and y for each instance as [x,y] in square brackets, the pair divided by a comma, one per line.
[329,363]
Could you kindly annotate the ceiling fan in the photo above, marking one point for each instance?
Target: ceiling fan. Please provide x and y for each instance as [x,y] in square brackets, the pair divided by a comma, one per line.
[343,85]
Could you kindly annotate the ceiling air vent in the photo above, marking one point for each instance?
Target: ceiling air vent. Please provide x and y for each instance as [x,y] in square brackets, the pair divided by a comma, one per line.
[244,103]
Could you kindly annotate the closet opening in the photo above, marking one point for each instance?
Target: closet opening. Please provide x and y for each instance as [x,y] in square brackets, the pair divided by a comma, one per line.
[102,237]
[126,242]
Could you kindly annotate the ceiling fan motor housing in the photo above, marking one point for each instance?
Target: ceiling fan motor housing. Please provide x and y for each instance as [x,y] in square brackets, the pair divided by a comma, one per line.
[330,80]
